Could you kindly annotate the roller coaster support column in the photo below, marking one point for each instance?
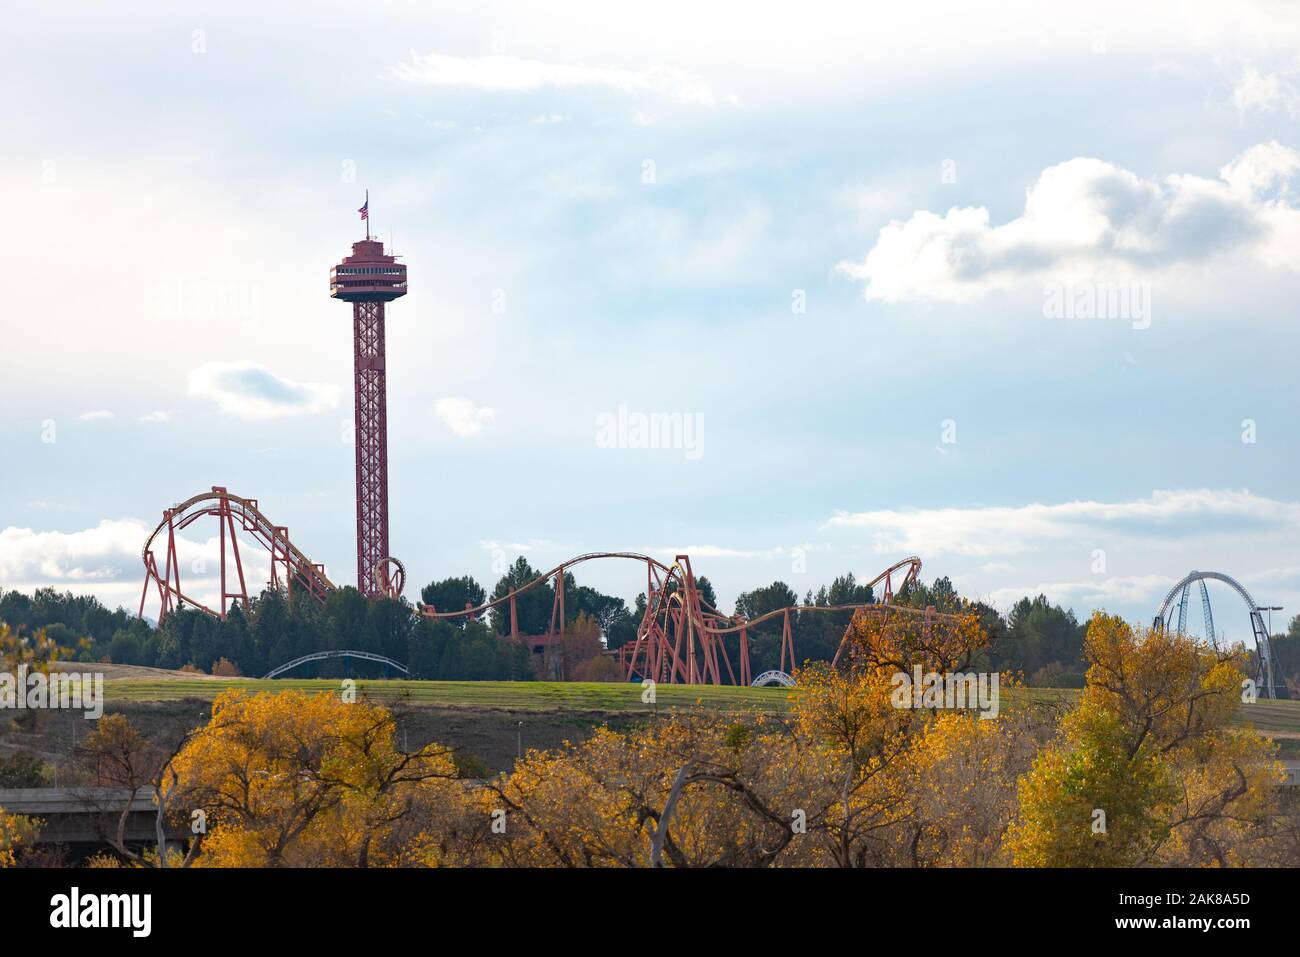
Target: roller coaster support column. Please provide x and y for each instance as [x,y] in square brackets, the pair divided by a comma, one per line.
[745,677]
[557,604]
[280,554]
[226,519]
[151,574]
[787,643]
[171,578]
[691,620]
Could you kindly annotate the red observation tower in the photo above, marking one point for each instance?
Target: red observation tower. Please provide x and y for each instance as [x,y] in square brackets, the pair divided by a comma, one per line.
[368,279]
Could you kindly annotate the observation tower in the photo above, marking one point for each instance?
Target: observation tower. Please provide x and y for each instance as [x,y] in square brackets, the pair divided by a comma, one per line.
[368,279]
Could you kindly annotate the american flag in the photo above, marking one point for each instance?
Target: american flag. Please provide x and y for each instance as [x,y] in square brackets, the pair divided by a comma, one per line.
[365,208]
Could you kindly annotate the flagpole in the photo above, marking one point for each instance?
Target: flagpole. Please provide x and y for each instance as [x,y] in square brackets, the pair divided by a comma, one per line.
[367,215]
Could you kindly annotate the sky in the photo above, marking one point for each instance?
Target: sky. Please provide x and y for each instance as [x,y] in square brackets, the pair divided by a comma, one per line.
[1009,289]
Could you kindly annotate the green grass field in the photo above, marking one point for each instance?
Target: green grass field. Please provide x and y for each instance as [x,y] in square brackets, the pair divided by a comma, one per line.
[1279,719]
[525,695]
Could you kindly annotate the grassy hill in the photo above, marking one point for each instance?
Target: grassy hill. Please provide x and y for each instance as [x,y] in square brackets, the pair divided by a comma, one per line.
[522,695]
[1278,719]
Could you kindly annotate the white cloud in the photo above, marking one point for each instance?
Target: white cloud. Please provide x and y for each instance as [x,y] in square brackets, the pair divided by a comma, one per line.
[106,561]
[156,416]
[1084,217]
[1260,92]
[1107,593]
[1003,531]
[249,391]
[95,554]
[513,74]
[1263,172]
[464,416]
[97,415]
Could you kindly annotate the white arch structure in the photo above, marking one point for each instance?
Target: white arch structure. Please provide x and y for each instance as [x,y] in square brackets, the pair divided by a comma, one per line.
[773,678]
[321,655]
[1263,650]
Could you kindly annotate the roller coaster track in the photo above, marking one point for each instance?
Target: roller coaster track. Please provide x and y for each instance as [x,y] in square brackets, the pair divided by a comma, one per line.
[1263,647]
[290,568]
[680,638]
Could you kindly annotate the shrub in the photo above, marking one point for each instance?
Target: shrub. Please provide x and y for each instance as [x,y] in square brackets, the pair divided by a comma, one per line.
[225,668]
[22,770]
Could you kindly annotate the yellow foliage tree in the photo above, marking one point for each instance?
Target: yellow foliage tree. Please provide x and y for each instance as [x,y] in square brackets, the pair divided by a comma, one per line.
[37,652]
[688,790]
[852,779]
[16,830]
[901,786]
[964,769]
[296,779]
[1147,770]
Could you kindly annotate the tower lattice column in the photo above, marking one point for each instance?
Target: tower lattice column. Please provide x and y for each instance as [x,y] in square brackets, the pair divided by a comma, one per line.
[371,443]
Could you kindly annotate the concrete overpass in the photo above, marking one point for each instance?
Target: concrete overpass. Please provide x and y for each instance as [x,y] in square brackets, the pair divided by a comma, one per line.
[87,815]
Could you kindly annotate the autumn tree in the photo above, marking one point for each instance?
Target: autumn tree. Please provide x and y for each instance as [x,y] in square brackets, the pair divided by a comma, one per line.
[116,755]
[36,653]
[905,786]
[1147,769]
[295,779]
[963,772]
[16,832]
[570,651]
[225,668]
[852,779]
[688,791]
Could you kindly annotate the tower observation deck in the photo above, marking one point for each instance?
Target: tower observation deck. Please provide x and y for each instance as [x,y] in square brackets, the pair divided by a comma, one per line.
[368,279]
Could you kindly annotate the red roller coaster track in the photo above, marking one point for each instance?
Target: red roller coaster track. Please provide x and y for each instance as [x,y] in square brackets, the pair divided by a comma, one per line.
[290,568]
[679,638]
